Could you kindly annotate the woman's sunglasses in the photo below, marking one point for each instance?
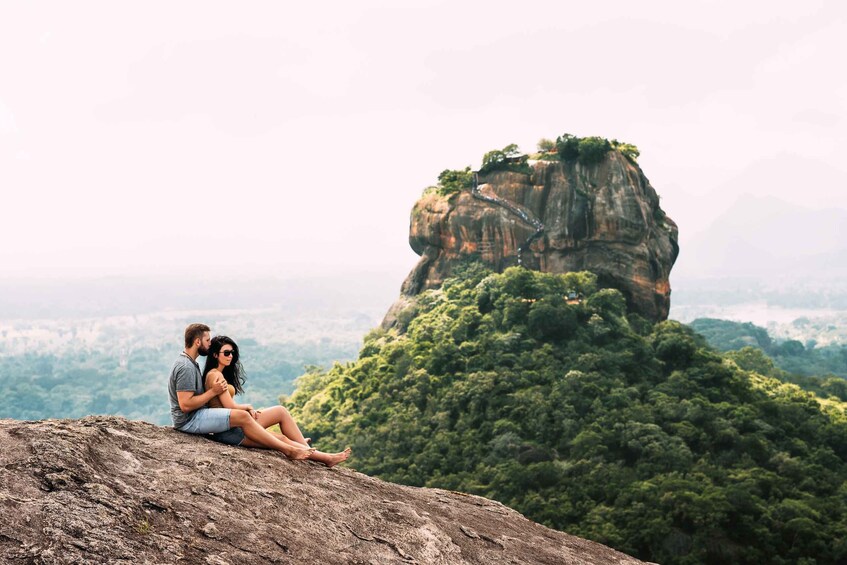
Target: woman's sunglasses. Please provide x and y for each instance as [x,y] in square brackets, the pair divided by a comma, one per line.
[227,353]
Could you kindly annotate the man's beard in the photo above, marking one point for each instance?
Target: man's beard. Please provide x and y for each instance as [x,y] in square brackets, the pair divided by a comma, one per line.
[203,351]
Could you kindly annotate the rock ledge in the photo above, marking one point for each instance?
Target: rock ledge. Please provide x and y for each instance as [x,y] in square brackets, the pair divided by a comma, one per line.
[109,490]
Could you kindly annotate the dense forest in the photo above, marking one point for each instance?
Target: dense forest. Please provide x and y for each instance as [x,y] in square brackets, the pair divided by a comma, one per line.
[87,381]
[588,419]
[792,356]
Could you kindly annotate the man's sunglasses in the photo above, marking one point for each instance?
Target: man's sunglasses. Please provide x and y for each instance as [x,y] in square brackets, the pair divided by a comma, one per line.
[227,353]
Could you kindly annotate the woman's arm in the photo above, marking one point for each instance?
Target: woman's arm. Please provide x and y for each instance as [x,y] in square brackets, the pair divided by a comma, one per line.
[224,397]
[226,400]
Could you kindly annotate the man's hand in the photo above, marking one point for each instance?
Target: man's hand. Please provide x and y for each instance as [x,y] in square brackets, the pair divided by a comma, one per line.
[219,387]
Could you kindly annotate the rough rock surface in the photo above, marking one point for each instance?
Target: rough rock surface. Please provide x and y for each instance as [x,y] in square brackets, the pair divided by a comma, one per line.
[109,490]
[603,218]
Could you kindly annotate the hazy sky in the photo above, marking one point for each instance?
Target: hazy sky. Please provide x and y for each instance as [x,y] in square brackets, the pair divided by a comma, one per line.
[269,137]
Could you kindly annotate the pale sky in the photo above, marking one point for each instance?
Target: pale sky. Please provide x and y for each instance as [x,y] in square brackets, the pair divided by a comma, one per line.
[268,137]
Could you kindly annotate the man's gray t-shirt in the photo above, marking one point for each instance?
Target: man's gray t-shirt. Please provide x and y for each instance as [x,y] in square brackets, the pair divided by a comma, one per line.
[185,375]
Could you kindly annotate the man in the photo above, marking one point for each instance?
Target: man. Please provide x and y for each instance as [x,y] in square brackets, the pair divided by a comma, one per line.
[189,398]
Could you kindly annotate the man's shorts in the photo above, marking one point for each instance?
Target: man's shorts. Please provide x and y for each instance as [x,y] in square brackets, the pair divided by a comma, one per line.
[214,423]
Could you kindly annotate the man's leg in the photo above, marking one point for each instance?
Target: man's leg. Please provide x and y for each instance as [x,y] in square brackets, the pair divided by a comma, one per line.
[206,421]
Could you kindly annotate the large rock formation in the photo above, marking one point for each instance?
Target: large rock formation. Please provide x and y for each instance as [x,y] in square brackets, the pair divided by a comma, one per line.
[109,490]
[603,218]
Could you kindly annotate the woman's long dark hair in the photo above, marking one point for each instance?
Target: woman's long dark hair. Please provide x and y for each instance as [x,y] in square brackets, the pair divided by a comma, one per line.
[234,373]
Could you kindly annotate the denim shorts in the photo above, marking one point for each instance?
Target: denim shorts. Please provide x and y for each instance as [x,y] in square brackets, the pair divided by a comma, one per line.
[214,423]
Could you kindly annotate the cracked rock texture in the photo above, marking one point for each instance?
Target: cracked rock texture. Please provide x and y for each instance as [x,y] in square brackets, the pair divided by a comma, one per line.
[108,490]
[604,218]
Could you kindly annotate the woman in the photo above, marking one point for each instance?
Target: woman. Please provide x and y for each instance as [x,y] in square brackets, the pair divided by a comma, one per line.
[222,363]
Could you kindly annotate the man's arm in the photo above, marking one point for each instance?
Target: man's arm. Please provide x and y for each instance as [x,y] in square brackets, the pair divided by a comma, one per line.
[189,401]
[185,385]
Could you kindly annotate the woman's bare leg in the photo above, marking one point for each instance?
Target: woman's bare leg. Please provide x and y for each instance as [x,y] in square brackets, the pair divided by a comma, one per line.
[279,415]
[291,435]
[258,436]
[328,459]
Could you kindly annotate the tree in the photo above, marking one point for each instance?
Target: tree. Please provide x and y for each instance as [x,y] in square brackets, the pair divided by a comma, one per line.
[551,319]
[545,145]
[508,158]
[593,149]
[791,348]
[674,345]
[753,359]
[568,146]
[587,150]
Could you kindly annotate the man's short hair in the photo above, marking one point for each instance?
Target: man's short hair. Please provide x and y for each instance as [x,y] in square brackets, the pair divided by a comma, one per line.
[195,331]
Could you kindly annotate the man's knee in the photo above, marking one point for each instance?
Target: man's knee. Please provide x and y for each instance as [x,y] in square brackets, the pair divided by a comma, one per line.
[238,418]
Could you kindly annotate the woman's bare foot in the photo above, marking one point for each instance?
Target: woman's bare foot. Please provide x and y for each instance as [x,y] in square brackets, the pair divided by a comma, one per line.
[298,454]
[333,459]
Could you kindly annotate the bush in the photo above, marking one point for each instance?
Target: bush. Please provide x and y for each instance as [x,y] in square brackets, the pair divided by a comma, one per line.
[590,150]
[452,181]
[627,149]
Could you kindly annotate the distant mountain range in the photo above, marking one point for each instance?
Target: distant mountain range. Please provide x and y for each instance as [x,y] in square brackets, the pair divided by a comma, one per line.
[763,236]
[115,296]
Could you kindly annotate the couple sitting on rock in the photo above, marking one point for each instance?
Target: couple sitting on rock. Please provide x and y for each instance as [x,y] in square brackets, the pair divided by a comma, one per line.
[202,403]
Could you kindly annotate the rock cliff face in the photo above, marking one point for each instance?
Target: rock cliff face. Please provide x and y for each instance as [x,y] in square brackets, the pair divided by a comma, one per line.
[603,218]
[109,490]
